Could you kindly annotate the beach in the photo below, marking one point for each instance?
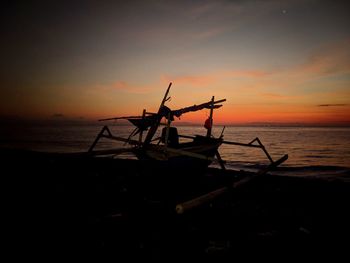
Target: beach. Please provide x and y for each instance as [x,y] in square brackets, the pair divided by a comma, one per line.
[60,203]
[228,130]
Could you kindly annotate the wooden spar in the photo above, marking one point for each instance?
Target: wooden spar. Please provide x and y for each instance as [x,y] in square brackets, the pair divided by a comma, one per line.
[120,118]
[165,96]
[105,128]
[167,131]
[154,127]
[110,136]
[206,105]
[188,205]
[141,130]
[263,148]
[190,154]
[111,151]
[260,145]
[241,144]
[203,105]
[222,132]
[128,117]
[211,117]
[121,139]
[221,162]
[186,136]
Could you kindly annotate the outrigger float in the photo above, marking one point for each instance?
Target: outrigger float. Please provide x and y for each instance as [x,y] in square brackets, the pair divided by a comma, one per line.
[167,150]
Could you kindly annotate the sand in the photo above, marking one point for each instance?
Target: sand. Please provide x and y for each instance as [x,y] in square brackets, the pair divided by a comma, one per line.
[58,203]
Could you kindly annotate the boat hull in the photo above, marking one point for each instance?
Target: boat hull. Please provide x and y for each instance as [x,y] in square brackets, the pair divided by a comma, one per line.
[197,154]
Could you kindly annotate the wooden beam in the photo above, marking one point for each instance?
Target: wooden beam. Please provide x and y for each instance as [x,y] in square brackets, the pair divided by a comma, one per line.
[141,130]
[100,134]
[120,118]
[263,148]
[111,151]
[167,131]
[221,162]
[242,144]
[121,139]
[190,154]
[198,201]
[186,136]
[154,127]
[211,117]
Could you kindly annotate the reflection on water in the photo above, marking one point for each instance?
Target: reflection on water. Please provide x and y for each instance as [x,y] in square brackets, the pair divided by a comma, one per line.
[310,149]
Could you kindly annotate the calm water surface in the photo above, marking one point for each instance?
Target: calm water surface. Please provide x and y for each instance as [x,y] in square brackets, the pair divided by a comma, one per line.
[311,150]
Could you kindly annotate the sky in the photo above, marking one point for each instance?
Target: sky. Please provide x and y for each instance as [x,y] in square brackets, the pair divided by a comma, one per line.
[274,61]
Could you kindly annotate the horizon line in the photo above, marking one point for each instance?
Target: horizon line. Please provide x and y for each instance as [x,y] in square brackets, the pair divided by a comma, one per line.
[179,123]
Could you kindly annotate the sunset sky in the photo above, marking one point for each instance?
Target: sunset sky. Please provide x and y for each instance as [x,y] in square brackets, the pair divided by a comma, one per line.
[274,61]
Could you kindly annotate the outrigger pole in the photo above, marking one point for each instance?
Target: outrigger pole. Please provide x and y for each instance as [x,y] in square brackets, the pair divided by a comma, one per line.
[155,125]
[203,199]
[153,121]
[210,117]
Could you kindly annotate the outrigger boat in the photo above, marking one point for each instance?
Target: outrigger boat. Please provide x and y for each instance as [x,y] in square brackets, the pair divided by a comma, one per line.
[111,203]
[167,149]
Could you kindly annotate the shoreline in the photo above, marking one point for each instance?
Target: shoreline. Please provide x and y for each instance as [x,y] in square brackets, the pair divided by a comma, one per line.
[100,203]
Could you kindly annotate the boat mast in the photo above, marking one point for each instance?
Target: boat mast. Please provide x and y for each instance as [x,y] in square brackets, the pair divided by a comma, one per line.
[141,131]
[210,117]
[154,127]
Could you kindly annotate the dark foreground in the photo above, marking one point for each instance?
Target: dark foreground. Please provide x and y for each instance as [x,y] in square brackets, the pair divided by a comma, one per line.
[57,204]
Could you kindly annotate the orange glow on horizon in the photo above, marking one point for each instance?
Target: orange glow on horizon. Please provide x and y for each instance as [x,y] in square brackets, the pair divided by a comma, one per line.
[246,115]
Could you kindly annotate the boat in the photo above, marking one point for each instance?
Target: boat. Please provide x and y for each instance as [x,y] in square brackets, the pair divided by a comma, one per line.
[167,154]
[167,150]
[86,200]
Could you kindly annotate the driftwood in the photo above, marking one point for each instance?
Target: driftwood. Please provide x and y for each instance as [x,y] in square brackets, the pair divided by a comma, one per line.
[203,199]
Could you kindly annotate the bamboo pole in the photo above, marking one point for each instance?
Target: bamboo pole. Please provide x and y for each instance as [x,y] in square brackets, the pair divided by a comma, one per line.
[105,128]
[221,162]
[190,154]
[141,131]
[211,117]
[186,136]
[111,151]
[167,131]
[242,144]
[263,148]
[201,200]
[154,127]
[121,139]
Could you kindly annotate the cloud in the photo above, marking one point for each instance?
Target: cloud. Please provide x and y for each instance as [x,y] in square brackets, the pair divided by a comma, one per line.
[57,115]
[310,83]
[130,88]
[328,59]
[212,77]
[209,33]
[278,96]
[198,11]
[247,73]
[332,105]
[193,80]
[107,91]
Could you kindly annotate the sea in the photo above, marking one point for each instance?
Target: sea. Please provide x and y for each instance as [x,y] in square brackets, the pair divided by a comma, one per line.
[313,151]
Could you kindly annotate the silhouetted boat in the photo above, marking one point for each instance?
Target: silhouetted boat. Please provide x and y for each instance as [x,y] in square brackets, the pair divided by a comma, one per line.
[167,149]
[72,199]
[168,153]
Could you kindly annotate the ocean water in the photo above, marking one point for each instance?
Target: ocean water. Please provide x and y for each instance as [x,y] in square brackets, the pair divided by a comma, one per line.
[313,151]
